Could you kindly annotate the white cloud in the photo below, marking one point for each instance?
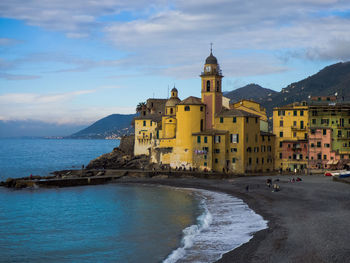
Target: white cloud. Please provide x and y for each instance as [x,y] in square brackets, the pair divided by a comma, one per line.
[54,108]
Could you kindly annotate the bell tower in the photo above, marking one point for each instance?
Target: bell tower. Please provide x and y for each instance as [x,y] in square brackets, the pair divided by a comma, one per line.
[211,89]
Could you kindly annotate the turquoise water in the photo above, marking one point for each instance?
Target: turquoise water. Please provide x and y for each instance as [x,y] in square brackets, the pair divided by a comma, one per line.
[22,157]
[104,223]
[110,223]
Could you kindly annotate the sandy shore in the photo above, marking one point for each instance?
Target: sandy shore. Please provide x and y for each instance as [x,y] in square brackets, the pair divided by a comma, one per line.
[309,221]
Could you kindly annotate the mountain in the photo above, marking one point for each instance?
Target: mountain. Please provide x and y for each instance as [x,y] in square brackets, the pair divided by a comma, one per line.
[33,128]
[328,81]
[112,126]
[250,91]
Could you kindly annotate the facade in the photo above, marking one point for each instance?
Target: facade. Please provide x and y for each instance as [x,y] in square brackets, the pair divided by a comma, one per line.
[290,125]
[329,134]
[313,135]
[207,133]
[255,108]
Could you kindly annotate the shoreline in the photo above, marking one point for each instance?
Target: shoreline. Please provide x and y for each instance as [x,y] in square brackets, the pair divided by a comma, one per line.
[307,220]
[296,231]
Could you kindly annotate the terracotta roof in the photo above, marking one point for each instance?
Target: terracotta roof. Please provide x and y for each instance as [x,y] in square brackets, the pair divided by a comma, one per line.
[210,132]
[235,113]
[191,101]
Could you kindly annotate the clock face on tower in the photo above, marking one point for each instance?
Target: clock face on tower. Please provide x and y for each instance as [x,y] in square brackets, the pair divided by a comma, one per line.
[207,68]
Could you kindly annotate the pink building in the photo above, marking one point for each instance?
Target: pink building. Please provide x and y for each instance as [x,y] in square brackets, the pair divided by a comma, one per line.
[295,154]
[320,153]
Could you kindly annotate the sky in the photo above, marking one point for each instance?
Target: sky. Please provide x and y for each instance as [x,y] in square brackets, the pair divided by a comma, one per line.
[74,62]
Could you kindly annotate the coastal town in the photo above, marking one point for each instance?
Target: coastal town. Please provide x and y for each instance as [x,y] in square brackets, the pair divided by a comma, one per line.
[211,134]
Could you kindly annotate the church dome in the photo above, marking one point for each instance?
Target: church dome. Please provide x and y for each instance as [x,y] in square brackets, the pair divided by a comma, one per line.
[174,90]
[211,59]
[172,102]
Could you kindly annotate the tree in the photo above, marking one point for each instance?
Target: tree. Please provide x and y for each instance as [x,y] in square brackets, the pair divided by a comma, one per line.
[140,106]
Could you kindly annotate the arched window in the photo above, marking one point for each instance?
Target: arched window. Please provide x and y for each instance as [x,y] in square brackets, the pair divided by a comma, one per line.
[208,85]
[218,86]
[171,110]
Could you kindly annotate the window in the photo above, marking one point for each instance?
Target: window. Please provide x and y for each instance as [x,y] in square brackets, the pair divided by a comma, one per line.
[205,139]
[221,120]
[216,160]
[280,155]
[217,150]
[294,123]
[246,119]
[205,163]
[206,149]
[312,131]
[256,120]
[234,119]
[250,161]
[201,108]
[150,136]
[288,145]
[257,160]
[295,113]
[144,123]
[325,157]
[218,86]
[217,139]
[301,124]
[202,124]
[324,132]
[233,150]
[327,145]
[187,108]
[280,144]
[318,144]
[171,110]
[305,136]
[233,160]
[294,134]
[319,156]
[262,160]
[198,139]
[301,113]
[312,145]
[281,134]
[249,149]
[339,133]
[208,85]
[234,138]
[281,123]
[313,121]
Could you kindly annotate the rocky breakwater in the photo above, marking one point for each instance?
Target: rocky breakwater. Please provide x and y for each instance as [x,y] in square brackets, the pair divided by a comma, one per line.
[107,167]
[121,157]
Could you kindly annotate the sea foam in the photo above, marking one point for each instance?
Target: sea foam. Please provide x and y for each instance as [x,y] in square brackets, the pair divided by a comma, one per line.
[225,224]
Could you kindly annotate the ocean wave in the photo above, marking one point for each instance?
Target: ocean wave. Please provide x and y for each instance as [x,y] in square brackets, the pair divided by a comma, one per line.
[225,224]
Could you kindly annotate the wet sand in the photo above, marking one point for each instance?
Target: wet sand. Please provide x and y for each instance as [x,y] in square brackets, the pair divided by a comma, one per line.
[309,221]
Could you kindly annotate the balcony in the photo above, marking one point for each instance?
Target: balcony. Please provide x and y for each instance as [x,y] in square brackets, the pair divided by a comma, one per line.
[343,137]
[297,128]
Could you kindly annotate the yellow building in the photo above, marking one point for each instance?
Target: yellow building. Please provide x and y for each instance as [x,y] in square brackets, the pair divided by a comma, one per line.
[255,108]
[290,125]
[207,133]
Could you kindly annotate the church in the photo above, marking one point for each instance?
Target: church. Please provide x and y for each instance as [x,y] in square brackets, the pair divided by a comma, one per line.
[206,133]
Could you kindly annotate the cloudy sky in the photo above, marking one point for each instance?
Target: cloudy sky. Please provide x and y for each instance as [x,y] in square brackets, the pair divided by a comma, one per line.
[77,61]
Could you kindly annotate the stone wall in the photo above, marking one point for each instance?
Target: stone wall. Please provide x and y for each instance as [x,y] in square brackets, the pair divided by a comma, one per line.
[127,144]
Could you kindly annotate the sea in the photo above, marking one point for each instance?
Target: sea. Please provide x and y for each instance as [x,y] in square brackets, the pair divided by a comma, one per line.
[112,222]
